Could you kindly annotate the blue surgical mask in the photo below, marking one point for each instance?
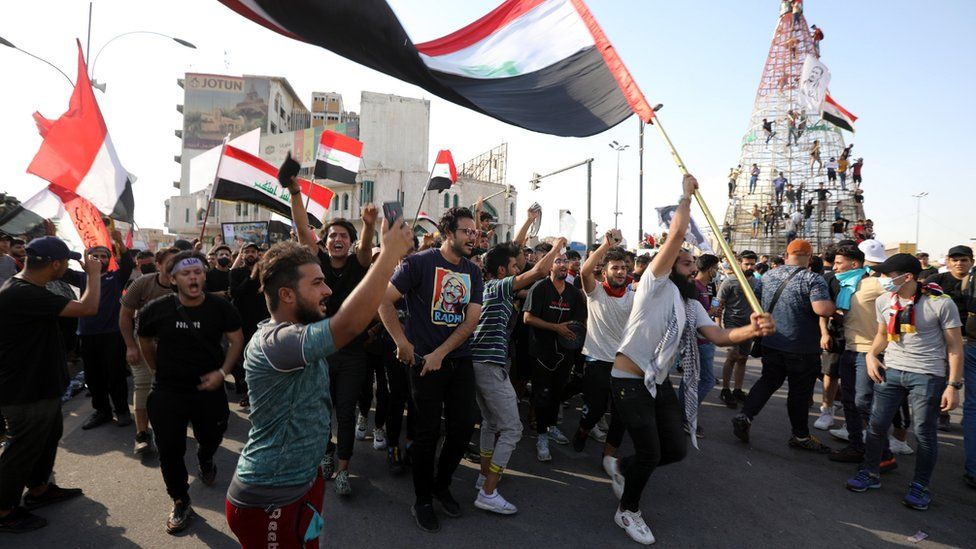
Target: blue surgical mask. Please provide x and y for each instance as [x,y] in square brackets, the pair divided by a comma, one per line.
[888,284]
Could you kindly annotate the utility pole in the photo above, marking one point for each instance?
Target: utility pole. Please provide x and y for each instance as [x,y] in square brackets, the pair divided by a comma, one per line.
[640,184]
[536,179]
[918,211]
[616,200]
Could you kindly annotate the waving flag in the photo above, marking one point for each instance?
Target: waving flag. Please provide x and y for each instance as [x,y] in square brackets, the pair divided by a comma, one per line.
[444,174]
[243,177]
[543,65]
[338,157]
[837,115]
[77,154]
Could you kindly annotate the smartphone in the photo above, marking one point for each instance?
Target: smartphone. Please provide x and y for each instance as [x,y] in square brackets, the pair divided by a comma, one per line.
[392,211]
[616,236]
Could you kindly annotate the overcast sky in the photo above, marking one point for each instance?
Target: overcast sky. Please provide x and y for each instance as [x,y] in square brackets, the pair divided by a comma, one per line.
[906,70]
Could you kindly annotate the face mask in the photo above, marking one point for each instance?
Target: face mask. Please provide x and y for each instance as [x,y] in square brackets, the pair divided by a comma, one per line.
[223,261]
[888,284]
[147,269]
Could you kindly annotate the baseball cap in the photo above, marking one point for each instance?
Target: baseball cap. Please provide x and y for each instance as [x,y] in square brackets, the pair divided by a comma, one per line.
[960,250]
[873,251]
[902,263]
[51,248]
[800,247]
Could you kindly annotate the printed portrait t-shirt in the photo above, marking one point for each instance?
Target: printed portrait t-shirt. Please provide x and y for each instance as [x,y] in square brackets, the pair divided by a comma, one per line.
[437,293]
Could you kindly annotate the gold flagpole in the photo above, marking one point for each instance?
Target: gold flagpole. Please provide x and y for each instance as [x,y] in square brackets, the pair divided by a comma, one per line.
[726,249]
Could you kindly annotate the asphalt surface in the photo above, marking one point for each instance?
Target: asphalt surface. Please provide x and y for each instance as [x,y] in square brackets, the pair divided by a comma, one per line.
[728,494]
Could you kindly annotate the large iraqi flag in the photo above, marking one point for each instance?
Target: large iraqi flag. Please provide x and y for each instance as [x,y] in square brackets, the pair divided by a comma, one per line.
[338,157]
[837,115]
[243,177]
[544,65]
[77,154]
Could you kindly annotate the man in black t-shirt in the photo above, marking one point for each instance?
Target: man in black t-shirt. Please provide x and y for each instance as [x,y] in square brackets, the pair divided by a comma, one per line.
[348,367]
[218,278]
[180,336]
[245,293]
[553,307]
[33,375]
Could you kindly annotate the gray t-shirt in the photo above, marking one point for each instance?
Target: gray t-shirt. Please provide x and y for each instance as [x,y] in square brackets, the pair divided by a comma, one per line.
[922,352]
[8,268]
[736,311]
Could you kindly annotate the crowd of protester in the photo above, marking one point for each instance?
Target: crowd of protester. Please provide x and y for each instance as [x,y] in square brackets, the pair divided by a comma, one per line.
[448,333]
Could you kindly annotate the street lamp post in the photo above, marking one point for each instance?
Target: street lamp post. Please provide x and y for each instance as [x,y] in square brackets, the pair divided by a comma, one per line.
[7,43]
[918,210]
[101,85]
[536,179]
[616,200]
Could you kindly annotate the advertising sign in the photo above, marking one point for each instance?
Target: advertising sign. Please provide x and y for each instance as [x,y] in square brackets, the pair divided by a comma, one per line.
[214,106]
[236,235]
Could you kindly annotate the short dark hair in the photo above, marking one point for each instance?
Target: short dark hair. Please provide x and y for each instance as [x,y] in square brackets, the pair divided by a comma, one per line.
[5,237]
[485,216]
[706,261]
[144,254]
[761,268]
[852,253]
[341,222]
[748,254]
[614,254]
[163,253]
[643,260]
[17,242]
[543,247]
[279,269]
[816,264]
[573,255]
[221,247]
[449,221]
[777,260]
[499,256]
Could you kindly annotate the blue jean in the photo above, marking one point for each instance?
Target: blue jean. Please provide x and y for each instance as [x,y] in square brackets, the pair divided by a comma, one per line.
[706,376]
[752,183]
[969,409]
[924,395]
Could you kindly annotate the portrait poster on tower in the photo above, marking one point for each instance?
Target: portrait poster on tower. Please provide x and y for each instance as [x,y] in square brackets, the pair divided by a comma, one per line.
[814,80]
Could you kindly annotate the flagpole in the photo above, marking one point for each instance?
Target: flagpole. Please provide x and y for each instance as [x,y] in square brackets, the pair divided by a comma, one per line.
[213,188]
[726,249]
[422,196]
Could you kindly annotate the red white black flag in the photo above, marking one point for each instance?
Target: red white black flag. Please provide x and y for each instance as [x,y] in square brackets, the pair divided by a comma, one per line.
[77,154]
[837,115]
[243,177]
[338,157]
[544,65]
[444,174]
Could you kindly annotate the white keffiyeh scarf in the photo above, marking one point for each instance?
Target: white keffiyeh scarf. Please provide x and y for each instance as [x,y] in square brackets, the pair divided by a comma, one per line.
[689,361]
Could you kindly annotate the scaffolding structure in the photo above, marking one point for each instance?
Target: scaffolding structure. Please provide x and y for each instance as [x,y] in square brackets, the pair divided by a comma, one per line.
[778,94]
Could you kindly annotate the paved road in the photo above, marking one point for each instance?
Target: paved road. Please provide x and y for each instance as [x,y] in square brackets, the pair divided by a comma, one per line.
[727,495]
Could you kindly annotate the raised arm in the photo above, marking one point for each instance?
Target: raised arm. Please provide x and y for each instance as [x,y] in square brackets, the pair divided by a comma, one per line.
[595,258]
[541,269]
[288,178]
[664,260]
[364,250]
[88,304]
[523,232]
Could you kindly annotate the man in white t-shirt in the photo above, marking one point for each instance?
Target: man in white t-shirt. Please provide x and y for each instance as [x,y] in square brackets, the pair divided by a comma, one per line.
[608,305]
[660,332]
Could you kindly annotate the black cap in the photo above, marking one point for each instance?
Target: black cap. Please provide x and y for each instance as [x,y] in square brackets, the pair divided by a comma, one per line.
[901,263]
[51,248]
[960,250]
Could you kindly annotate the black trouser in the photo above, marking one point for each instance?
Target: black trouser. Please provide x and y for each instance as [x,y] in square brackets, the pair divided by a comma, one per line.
[33,432]
[104,358]
[548,388]
[347,373]
[396,378]
[654,424]
[448,391]
[375,372]
[596,395]
[170,414]
[801,370]
[240,378]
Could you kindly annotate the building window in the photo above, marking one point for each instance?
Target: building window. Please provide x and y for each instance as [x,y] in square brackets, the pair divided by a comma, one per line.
[366,192]
[237,209]
[186,216]
[511,210]
[274,129]
[335,203]
[455,201]
[277,103]
[508,236]
[244,209]
[345,201]
[447,201]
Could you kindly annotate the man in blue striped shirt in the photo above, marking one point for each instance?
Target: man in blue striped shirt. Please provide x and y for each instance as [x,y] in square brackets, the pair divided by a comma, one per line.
[489,347]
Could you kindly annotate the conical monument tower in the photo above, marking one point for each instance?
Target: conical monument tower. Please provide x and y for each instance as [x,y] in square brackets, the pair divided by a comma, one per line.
[777,96]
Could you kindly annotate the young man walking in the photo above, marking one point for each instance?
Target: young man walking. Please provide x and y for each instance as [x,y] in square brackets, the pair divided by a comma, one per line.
[443,291]
[918,333]
[735,312]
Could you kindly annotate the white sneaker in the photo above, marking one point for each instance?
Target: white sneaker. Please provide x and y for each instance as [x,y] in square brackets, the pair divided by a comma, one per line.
[379,439]
[598,434]
[840,433]
[826,419]
[634,525]
[542,449]
[616,477]
[557,436]
[899,447]
[494,503]
[478,484]
[361,428]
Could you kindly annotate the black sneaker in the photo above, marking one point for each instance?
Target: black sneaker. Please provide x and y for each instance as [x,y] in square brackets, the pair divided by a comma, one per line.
[449,505]
[847,454]
[144,442]
[245,402]
[95,419]
[726,397]
[179,517]
[208,473]
[53,494]
[740,427]
[945,423]
[473,453]
[579,440]
[425,517]
[739,396]
[20,521]
[123,420]
[810,443]
[393,460]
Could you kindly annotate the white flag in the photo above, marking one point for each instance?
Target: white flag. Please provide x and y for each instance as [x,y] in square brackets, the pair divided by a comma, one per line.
[567,224]
[204,165]
[814,81]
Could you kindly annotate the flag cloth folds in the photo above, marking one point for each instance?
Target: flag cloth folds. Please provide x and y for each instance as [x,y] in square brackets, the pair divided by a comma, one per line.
[77,154]
[79,223]
[338,157]
[243,177]
[444,174]
[543,65]
[837,115]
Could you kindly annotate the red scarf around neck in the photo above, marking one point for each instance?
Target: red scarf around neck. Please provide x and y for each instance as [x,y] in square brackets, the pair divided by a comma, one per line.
[617,292]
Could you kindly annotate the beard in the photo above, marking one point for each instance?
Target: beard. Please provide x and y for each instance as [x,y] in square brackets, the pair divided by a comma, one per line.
[308,312]
[685,286]
[612,282]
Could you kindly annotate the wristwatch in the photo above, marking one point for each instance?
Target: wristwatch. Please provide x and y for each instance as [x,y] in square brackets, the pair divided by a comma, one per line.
[955,384]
